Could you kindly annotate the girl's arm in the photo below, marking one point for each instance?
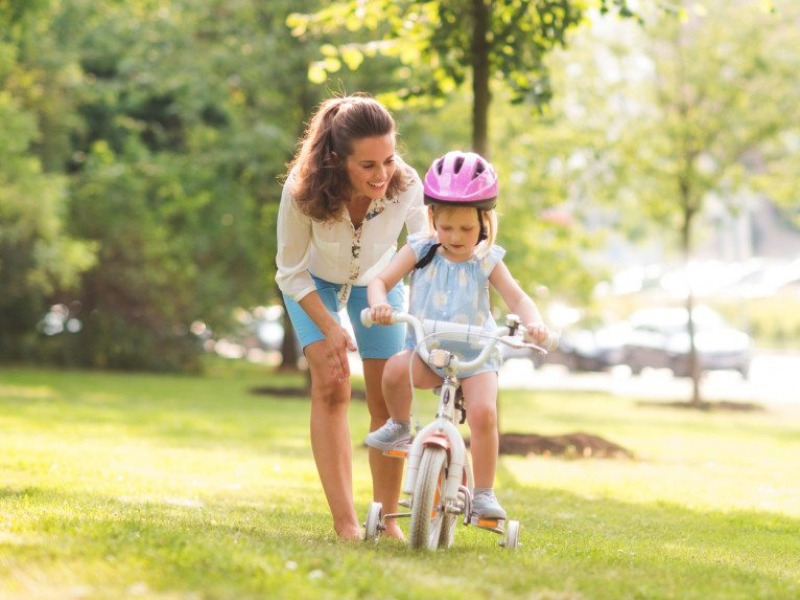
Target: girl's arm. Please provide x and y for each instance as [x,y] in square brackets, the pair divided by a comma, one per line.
[377,290]
[518,302]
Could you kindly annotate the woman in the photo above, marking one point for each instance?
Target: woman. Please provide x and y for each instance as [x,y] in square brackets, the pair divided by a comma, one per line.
[344,204]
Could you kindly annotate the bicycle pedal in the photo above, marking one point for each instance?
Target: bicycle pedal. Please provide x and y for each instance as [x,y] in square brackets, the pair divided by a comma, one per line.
[485,523]
[396,453]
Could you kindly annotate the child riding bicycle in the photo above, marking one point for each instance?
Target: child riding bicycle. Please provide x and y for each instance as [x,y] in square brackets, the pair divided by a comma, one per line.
[450,272]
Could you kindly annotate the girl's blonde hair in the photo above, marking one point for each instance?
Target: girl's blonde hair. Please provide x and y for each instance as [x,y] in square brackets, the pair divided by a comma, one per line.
[321,183]
[487,219]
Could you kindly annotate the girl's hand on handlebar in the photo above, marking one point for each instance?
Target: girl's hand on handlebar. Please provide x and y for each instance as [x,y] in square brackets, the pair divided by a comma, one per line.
[381,314]
[537,333]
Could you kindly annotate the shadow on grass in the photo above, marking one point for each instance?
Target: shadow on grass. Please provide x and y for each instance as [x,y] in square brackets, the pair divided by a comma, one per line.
[706,405]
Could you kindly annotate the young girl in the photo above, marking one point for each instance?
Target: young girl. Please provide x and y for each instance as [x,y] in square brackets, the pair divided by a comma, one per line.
[451,271]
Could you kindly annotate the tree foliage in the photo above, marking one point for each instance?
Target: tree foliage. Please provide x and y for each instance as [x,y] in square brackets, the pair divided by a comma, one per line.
[37,254]
[163,130]
[154,136]
[440,45]
[500,50]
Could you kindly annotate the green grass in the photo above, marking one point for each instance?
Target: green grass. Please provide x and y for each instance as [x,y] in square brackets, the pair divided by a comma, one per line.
[166,487]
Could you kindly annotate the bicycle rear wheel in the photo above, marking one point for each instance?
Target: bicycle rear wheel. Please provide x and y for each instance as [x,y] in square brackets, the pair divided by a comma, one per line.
[373,525]
[511,535]
[428,509]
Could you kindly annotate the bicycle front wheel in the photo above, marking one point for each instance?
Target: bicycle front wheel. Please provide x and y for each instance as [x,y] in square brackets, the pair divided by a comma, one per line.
[428,513]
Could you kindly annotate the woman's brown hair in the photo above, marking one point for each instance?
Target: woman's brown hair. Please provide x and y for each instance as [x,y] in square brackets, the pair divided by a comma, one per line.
[321,183]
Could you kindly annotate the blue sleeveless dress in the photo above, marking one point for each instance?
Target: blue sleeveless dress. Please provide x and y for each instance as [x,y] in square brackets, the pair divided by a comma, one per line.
[456,292]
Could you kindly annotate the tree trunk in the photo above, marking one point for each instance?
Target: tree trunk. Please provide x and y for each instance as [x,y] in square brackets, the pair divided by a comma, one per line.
[289,350]
[686,248]
[480,78]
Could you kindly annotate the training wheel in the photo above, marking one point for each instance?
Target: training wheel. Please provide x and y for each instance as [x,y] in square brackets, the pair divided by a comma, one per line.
[511,535]
[373,525]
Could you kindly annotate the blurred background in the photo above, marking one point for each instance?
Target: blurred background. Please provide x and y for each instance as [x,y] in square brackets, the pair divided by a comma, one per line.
[648,153]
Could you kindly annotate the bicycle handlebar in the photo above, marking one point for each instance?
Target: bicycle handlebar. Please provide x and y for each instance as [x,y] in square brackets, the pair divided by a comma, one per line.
[461,332]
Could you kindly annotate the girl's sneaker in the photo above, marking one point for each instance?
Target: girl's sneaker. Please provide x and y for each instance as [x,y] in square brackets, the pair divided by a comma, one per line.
[486,506]
[392,436]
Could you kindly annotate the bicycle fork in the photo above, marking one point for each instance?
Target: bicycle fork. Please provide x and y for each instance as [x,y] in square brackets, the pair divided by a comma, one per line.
[442,433]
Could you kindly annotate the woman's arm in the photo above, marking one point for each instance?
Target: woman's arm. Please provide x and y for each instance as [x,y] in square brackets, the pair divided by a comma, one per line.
[518,302]
[294,244]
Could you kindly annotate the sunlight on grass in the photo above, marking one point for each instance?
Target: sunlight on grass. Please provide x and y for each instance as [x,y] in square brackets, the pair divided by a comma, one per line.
[138,486]
[19,391]
[700,460]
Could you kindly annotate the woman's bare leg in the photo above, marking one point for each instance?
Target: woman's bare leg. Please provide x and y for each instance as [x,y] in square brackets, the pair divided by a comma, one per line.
[387,472]
[330,441]
[394,401]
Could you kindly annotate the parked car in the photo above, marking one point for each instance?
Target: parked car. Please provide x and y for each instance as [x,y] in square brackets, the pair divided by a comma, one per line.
[659,338]
[580,349]
[594,349]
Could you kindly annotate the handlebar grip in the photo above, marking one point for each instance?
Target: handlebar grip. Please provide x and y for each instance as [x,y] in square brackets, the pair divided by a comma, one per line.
[553,339]
[366,319]
[549,344]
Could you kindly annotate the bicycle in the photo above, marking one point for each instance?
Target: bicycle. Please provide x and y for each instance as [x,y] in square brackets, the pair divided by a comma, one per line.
[438,479]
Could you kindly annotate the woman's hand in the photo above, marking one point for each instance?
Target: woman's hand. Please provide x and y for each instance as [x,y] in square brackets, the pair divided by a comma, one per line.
[338,342]
[381,314]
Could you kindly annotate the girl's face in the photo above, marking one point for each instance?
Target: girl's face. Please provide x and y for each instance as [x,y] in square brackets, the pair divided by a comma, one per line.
[458,230]
[371,166]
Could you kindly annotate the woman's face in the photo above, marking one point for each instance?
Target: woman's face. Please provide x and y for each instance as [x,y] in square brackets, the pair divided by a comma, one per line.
[371,166]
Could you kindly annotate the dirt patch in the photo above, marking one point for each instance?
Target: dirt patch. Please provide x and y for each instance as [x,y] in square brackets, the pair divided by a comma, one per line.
[571,445]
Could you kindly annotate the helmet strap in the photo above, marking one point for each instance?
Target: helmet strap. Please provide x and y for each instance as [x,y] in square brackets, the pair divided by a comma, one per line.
[482,235]
[426,260]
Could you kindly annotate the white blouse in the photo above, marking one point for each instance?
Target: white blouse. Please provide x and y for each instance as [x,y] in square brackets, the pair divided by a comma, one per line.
[335,250]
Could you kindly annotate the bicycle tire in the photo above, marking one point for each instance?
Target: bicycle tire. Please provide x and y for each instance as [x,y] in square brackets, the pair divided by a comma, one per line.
[511,535]
[449,523]
[427,511]
[448,531]
[372,526]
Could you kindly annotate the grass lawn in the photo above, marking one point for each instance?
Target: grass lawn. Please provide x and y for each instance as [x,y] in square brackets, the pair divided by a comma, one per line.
[166,487]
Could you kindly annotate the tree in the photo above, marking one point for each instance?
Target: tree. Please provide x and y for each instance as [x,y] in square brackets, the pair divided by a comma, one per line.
[708,102]
[166,163]
[439,45]
[37,254]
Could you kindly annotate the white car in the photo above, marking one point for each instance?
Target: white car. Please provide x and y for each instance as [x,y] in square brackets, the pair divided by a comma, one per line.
[659,338]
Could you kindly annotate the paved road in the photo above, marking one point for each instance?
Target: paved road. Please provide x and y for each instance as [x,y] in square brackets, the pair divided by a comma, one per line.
[774,379]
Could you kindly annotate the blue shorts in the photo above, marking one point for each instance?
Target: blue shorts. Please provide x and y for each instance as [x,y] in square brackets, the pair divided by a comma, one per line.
[378,341]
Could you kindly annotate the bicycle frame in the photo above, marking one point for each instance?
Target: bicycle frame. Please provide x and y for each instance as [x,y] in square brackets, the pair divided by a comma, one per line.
[442,434]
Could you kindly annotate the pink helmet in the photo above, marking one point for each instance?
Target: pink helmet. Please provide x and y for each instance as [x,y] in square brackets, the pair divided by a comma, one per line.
[461,178]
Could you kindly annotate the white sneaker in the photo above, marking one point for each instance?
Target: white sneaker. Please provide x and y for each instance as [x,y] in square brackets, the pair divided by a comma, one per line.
[486,506]
[392,436]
